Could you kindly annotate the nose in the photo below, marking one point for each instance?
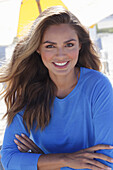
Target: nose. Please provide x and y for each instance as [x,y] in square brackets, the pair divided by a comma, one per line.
[60,52]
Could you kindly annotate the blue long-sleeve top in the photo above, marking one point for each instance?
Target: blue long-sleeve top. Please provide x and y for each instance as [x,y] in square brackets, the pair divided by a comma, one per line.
[80,120]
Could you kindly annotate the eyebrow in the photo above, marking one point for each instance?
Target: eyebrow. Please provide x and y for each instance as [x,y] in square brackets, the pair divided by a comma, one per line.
[70,40]
[56,43]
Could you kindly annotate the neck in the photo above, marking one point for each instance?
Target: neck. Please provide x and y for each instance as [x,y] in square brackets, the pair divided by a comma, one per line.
[65,84]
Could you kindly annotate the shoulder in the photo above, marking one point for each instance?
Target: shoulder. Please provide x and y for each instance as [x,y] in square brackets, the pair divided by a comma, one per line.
[94,77]
[86,72]
[20,114]
[18,122]
[94,82]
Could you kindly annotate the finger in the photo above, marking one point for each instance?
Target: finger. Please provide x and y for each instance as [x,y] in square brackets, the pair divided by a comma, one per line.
[25,143]
[29,140]
[93,167]
[99,147]
[29,144]
[98,164]
[90,164]
[100,156]
[21,147]
[36,148]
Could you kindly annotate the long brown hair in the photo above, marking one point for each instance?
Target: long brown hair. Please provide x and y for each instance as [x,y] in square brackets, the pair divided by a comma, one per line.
[28,84]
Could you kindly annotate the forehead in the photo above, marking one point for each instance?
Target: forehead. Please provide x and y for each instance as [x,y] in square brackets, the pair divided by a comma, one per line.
[59,31]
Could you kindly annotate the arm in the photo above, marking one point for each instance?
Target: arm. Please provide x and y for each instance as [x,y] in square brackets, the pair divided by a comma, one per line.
[79,159]
[103,117]
[12,158]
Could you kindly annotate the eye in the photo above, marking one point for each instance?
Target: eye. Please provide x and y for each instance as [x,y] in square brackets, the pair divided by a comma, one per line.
[50,46]
[69,45]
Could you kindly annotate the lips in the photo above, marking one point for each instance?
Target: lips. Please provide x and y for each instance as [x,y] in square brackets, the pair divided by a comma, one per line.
[61,64]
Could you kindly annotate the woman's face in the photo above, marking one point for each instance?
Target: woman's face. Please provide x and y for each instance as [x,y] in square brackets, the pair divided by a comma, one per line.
[60,49]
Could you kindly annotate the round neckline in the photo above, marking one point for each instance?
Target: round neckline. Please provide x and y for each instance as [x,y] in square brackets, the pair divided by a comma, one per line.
[73,91]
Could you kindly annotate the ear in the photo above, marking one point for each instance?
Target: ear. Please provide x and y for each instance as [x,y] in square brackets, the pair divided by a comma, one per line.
[38,51]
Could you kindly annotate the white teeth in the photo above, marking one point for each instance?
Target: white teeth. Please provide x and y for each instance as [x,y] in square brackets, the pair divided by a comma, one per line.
[61,64]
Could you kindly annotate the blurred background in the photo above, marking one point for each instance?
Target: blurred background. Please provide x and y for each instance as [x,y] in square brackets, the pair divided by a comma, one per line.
[16,17]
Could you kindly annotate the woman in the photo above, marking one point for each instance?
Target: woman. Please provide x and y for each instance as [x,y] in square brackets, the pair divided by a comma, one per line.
[56,94]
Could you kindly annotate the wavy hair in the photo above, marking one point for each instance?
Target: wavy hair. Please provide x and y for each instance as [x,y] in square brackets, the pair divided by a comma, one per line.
[28,84]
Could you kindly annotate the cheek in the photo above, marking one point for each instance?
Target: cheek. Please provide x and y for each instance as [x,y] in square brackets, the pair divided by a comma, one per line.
[74,53]
[46,59]
[46,56]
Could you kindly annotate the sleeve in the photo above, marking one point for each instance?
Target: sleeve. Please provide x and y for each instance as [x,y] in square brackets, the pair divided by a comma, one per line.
[102,108]
[12,158]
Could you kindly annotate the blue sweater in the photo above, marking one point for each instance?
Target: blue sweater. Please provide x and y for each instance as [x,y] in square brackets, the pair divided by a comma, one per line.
[82,119]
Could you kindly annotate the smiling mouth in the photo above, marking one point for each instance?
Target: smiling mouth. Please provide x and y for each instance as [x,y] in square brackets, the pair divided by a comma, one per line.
[61,64]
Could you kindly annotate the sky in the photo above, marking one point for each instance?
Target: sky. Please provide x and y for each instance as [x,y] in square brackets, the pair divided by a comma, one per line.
[88,11]
[9,15]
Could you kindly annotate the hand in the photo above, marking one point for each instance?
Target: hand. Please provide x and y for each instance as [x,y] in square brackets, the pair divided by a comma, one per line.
[25,144]
[85,159]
